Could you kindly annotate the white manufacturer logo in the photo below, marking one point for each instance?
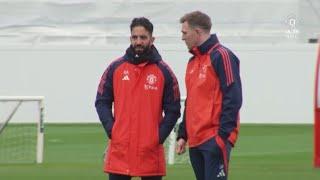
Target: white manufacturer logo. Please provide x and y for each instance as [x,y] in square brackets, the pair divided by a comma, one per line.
[125,75]
[125,78]
[221,173]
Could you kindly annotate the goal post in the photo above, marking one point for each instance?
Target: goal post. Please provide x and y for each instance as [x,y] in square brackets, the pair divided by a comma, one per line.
[172,157]
[19,100]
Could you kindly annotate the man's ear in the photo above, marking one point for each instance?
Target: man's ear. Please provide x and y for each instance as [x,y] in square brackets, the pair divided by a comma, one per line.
[152,39]
[198,30]
[130,39]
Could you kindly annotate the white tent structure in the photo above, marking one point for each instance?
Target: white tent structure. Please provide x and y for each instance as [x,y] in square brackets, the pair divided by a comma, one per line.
[98,22]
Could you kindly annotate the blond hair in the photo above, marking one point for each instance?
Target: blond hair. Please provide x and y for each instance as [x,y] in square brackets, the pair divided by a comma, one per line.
[197,19]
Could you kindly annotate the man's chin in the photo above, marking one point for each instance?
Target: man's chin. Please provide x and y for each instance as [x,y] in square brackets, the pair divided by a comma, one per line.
[139,52]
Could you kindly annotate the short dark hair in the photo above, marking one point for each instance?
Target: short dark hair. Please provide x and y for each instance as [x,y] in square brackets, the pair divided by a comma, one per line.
[197,19]
[142,21]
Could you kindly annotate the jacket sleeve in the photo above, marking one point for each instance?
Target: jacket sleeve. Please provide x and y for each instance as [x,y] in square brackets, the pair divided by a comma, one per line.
[182,133]
[170,102]
[226,65]
[104,100]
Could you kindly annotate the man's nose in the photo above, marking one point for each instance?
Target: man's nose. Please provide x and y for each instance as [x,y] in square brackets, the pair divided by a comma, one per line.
[139,41]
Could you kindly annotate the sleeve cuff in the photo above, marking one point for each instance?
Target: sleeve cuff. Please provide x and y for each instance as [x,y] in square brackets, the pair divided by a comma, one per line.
[224,136]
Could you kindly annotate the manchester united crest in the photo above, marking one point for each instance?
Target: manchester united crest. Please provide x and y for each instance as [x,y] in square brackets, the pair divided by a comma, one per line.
[151,82]
[151,79]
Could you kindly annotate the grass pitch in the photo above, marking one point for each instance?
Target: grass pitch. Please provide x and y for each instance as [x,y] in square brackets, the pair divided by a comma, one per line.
[264,152]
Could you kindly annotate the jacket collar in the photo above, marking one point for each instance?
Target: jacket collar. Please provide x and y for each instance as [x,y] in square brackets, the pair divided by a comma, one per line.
[151,56]
[206,46]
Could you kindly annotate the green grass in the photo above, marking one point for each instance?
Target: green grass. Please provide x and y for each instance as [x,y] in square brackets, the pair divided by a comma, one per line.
[264,152]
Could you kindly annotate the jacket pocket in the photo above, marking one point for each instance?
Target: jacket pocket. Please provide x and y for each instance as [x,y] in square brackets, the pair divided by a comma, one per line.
[152,159]
[118,154]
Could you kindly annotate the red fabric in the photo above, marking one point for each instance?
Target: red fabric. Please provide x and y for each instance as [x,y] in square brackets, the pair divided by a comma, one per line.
[202,111]
[134,149]
[317,140]
[204,103]
[316,158]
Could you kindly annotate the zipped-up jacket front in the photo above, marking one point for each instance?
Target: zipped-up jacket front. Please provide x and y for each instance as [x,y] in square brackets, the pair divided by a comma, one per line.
[214,94]
[141,93]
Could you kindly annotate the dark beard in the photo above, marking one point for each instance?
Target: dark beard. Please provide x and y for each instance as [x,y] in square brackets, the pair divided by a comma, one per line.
[141,53]
[152,55]
[141,56]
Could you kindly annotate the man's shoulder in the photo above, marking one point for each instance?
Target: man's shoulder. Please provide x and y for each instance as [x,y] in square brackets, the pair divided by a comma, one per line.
[162,64]
[114,65]
[222,52]
[191,58]
[165,69]
[117,61]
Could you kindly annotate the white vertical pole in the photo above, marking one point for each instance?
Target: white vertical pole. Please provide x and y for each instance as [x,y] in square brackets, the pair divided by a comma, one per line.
[40,129]
[172,146]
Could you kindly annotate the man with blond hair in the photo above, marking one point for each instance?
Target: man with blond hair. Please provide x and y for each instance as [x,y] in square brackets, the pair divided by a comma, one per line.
[214,97]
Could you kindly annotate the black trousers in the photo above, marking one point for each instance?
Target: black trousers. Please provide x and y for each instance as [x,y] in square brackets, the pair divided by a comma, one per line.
[210,161]
[125,177]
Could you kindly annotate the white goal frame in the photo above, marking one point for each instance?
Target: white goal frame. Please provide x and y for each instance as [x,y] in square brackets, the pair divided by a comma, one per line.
[173,135]
[40,121]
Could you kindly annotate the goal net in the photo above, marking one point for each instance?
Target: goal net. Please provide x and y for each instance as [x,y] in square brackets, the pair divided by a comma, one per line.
[21,129]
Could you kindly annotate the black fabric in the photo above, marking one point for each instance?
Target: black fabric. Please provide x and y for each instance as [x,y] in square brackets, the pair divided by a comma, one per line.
[125,177]
[207,160]
[232,93]
[207,45]
[182,132]
[170,102]
[151,55]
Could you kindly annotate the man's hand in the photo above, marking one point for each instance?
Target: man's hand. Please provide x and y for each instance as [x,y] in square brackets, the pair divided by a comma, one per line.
[181,146]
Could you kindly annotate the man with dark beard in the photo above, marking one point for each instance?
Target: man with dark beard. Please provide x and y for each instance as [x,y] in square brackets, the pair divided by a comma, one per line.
[141,88]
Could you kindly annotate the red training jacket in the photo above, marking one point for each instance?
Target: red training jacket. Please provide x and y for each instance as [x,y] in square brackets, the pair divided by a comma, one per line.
[140,92]
[214,94]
